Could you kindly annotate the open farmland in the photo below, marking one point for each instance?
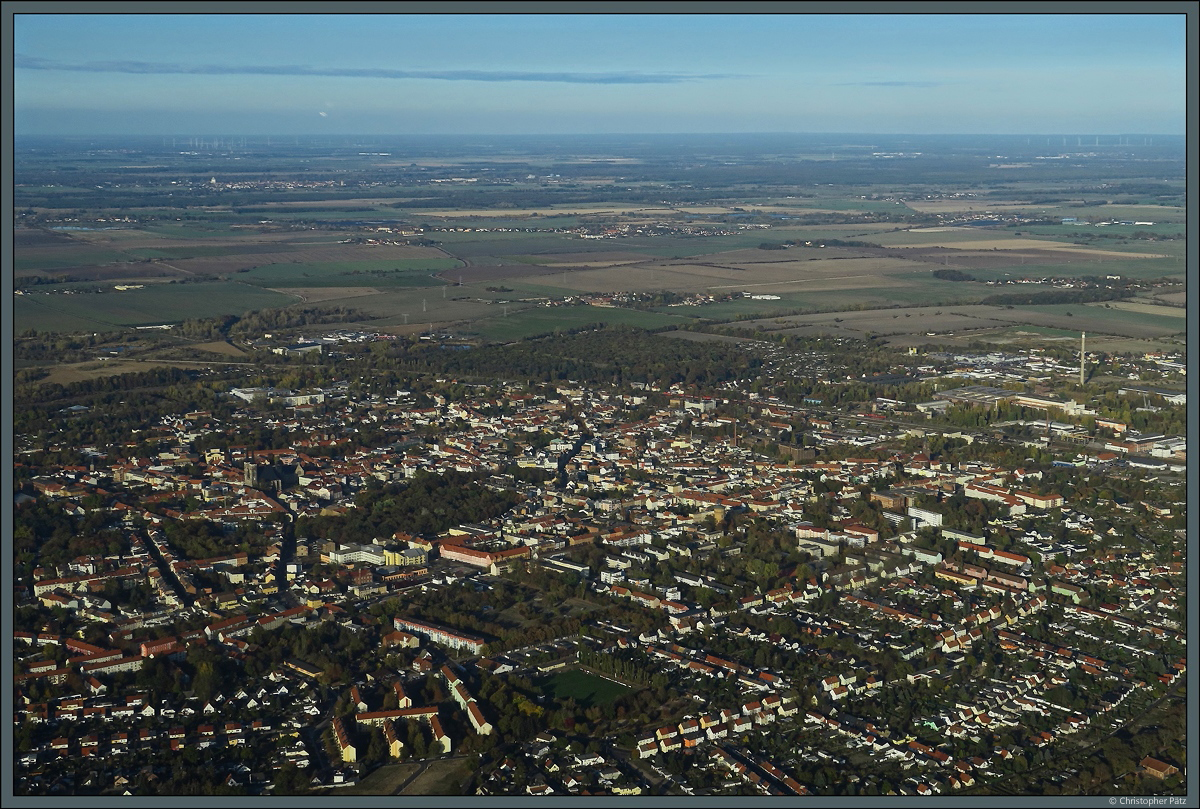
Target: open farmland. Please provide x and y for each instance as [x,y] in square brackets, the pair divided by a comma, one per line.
[1172,298]
[1144,308]
[29,260]
[155,304]
[321,294]
[606,258]
[883,322]
[1149,213]
[1033,336]
[292,220]
[963,237]
[993,241]
[413,272]
[69,373]
[310,267]
[973,205]
[314,254]
[767,277]
[1129,268]
[121,271]
[1085,231]
[180,252]
[481,272]
[544,320]
[1099,320]
[422,306]
[936,321]
[39,237]
[138,254]
[975,259]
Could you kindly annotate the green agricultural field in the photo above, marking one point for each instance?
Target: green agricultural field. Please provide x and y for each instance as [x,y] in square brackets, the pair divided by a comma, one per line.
[1071,232]
[152,305]
[321,212]
[910,289]
[1135,213]
[942,294]
[1046,331]
[407,272]
[536,260]
[1097,318]
[739,307]
[40,313]
[28,262]
[1129,268]
[1176,248]
[206,251]
[959,237]
[531,245]
[858,233]
[585,688]
[499,221]
[520,289]
[200,226]
[847,204]
[695,246]
[544,320]
[471,245]
[422,306]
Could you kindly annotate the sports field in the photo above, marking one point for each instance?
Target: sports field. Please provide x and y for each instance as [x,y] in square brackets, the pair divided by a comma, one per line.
[585,688]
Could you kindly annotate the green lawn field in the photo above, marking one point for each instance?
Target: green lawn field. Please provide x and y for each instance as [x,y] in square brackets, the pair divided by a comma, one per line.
[585,688]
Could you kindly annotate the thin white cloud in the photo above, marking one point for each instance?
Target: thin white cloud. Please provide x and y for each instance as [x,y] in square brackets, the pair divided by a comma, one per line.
[168,68]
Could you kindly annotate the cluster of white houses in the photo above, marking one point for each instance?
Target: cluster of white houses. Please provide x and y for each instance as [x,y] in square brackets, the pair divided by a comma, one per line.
[717,725]
[452,638]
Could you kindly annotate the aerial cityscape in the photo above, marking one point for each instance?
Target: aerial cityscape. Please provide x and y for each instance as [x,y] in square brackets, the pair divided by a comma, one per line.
[474,421]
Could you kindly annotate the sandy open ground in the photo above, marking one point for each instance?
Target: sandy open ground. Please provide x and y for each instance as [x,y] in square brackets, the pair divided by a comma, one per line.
[83,371]
[220,347]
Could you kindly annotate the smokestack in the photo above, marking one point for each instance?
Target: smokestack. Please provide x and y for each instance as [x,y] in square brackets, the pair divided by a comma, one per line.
[1082,355]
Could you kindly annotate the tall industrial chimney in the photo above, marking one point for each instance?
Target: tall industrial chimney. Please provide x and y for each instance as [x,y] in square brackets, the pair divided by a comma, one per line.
[1082,355]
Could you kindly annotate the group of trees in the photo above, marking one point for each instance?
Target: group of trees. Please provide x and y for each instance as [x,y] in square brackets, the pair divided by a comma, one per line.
[953,275]
[427,504]
[45,534]
[614,355]
[628,667]
[1053,296]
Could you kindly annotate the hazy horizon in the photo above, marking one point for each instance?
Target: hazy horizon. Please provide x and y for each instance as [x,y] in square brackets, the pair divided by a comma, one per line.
[510,74]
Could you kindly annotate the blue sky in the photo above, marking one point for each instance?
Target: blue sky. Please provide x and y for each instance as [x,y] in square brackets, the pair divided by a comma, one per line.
[496,74]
